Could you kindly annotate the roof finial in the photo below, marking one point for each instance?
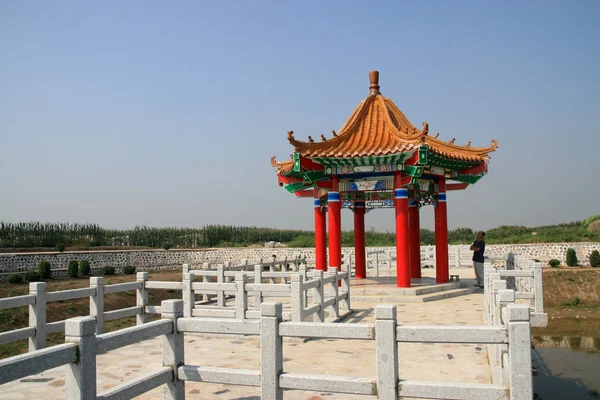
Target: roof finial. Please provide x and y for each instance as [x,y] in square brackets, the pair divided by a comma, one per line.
[374,78]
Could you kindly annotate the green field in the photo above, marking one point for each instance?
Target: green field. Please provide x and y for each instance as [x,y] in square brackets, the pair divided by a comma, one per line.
[48,235]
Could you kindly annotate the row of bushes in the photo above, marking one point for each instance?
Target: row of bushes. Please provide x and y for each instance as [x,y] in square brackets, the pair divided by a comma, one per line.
[75,268]
[572,260]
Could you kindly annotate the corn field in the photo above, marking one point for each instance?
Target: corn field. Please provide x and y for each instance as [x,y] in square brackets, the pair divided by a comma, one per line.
[36,234]
[45,235]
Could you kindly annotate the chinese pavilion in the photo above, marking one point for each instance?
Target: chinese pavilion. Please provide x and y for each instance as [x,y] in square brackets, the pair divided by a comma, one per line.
[378,159]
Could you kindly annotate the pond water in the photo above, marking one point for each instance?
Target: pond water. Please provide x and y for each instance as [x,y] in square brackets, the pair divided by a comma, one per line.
[566,367]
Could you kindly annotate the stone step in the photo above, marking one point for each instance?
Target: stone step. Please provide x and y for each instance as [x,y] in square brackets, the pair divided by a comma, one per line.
[412,291]
[446,294]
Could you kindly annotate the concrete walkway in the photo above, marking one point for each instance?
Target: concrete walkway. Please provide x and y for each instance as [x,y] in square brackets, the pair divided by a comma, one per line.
[435,362]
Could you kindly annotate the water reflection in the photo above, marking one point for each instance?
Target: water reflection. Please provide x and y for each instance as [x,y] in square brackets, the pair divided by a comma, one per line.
[562,373]
[585,343]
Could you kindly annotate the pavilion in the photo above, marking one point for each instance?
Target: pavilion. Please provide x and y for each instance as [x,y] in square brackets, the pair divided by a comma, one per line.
[378,159]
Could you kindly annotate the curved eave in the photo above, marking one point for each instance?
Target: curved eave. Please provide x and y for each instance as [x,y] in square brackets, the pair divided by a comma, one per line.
[461,153]
[283,167]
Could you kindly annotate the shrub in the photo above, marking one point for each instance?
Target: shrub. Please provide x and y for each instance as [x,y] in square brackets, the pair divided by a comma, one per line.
[586,222]
[575,301]
[33,276]
[129,270]
[15,278]
[571,258]
[108,270]
[84,268]
[60,247]
[554,263]
[595,258]
[167,246]
[72,268]
[44,269]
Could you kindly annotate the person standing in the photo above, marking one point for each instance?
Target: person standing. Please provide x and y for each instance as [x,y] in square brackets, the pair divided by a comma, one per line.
[478,248]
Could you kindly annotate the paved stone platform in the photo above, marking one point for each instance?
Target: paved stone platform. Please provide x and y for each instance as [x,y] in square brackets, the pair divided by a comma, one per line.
[435,362]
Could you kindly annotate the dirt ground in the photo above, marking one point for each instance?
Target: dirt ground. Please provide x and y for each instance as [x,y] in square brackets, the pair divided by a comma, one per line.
[572,301]
[16,318]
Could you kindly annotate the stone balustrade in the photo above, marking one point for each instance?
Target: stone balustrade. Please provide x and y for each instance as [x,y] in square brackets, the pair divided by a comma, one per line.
[38,299]
[83,344]
[327,290]
[524,277]
[298,284]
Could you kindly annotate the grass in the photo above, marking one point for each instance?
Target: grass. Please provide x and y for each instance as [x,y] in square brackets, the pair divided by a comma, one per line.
[16,318]
[567,287]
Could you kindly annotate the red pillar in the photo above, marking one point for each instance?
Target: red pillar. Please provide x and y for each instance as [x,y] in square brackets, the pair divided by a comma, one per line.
[415,239]
[335,225]
[442,274]
[402,248]
[360,266]
[320,234]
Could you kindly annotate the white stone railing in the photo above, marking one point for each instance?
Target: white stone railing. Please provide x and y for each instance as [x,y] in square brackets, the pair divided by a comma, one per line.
[83,345]
[303,286]
[525,278]
[497,297]
[382,262]
[38,299]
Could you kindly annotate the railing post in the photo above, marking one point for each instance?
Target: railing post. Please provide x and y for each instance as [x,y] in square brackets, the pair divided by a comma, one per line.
[519,352]
[505,297]
[189,297]
[386,352]
[80,379]
[241,299]
[37,315]
[258,298]
[303,272]
[538,289]
[205,267]
[141,297]
[346,289]
[97,303]
[487,293]
[173,349]
[297,297]
[493,277]
[220,279]
[318,297]
[185,269]
[498,287]
[334,292]
[272,269]
[271,353]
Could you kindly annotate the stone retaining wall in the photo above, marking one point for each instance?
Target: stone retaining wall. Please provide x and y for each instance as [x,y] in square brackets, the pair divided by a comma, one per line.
[147,260]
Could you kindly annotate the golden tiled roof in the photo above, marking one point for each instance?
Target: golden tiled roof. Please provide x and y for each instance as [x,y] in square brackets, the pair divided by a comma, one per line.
[377,127]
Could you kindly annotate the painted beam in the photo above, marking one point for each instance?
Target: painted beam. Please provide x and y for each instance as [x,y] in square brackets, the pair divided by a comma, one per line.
[474,170]
[304,193]
[310,165]
[323,185]
[456,186]
[286,180]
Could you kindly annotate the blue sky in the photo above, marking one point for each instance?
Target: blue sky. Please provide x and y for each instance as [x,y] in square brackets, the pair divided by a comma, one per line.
[167,113]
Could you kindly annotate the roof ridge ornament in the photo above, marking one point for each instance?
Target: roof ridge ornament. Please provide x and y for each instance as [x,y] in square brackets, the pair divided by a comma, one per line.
[374,87]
